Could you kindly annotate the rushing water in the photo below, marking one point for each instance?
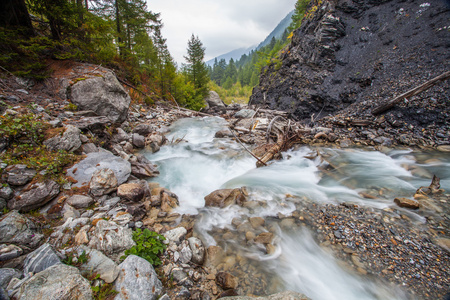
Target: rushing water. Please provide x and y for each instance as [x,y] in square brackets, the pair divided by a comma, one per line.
[201,164]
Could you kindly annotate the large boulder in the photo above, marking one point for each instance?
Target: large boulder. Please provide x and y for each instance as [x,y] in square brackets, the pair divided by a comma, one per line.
[103,95]
[56,283]
[111,238]
[213,100]
[82,172]
[137,280]
[226,197]
[17,229]
[36,195]
[69,141]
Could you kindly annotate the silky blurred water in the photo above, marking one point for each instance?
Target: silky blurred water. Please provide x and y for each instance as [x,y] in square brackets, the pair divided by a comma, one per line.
[200,164]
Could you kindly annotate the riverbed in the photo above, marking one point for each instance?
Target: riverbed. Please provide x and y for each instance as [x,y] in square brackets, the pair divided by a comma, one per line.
[300,258]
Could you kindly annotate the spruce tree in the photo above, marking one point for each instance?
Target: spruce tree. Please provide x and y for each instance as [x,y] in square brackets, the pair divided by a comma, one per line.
[196,68]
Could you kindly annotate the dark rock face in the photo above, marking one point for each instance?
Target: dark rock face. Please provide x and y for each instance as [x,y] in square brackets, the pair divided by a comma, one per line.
[364,52]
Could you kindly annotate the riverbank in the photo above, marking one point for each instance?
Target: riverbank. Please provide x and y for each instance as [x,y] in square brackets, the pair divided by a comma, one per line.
[79,213]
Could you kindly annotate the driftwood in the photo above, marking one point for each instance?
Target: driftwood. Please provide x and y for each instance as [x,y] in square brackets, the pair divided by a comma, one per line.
[272,151]
[245,148]
[417,90]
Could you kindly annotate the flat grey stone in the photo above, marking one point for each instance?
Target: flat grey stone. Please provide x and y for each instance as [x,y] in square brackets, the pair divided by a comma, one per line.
[82,172]
[57,282]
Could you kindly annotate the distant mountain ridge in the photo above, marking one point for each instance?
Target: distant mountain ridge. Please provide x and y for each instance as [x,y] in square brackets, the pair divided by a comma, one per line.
[237,53]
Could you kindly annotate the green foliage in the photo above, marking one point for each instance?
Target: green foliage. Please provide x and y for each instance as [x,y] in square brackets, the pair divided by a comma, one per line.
[299,13]
[100,289]
[71,261]
[24,135]
[196,71]
[71,106]
[149,245]
[235,94]
[16,127]
[235,80]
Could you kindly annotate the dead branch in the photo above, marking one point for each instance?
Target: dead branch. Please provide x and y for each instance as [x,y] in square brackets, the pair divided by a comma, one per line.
[246,149]
[417,90]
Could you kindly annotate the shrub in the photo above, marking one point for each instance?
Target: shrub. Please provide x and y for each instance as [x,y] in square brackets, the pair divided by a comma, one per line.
[149,245]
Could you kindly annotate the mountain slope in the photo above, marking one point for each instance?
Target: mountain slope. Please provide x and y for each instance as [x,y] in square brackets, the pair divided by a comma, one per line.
[237,53]
[278,31]
[349,56]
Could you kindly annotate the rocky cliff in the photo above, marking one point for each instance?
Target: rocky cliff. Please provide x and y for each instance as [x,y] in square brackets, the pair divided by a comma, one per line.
[351,55]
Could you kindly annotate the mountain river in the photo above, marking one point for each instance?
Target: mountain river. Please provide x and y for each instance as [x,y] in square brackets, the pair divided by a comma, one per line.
[201,164]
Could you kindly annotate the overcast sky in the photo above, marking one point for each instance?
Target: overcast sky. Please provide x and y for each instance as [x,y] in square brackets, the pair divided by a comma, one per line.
[221,25]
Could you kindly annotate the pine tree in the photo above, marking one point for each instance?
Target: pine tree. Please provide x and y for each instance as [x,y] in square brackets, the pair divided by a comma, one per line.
[196,68]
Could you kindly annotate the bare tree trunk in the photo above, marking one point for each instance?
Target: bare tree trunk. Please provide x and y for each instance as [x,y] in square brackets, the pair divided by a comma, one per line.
[119,31]
[417,90]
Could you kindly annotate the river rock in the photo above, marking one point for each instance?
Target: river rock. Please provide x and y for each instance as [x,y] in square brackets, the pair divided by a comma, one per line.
[245,114]
[264,238]
[133,192]
[138,140]
[288,295]
[198,250]
[6,193]
[110,238]
[181,277]
[103,95]
[226,197]
[56,283]
[103,182]
[226,280]
[143,129]
[175,235]
[121,136]
[17,229]
[18,174]
[407,203]
[41,259]
[214,256]
[69,141]
[256,222]
[80,201]
[89,148]
[213,100]
[143,168]
[6,274]
[82,172]
[168,201]
[185,254]
[99,264]
[137,280]
[443,148]
[9,252]
[35,195]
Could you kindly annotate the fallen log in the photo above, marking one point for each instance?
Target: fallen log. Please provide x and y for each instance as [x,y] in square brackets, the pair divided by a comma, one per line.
[417,90]
[272,152]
